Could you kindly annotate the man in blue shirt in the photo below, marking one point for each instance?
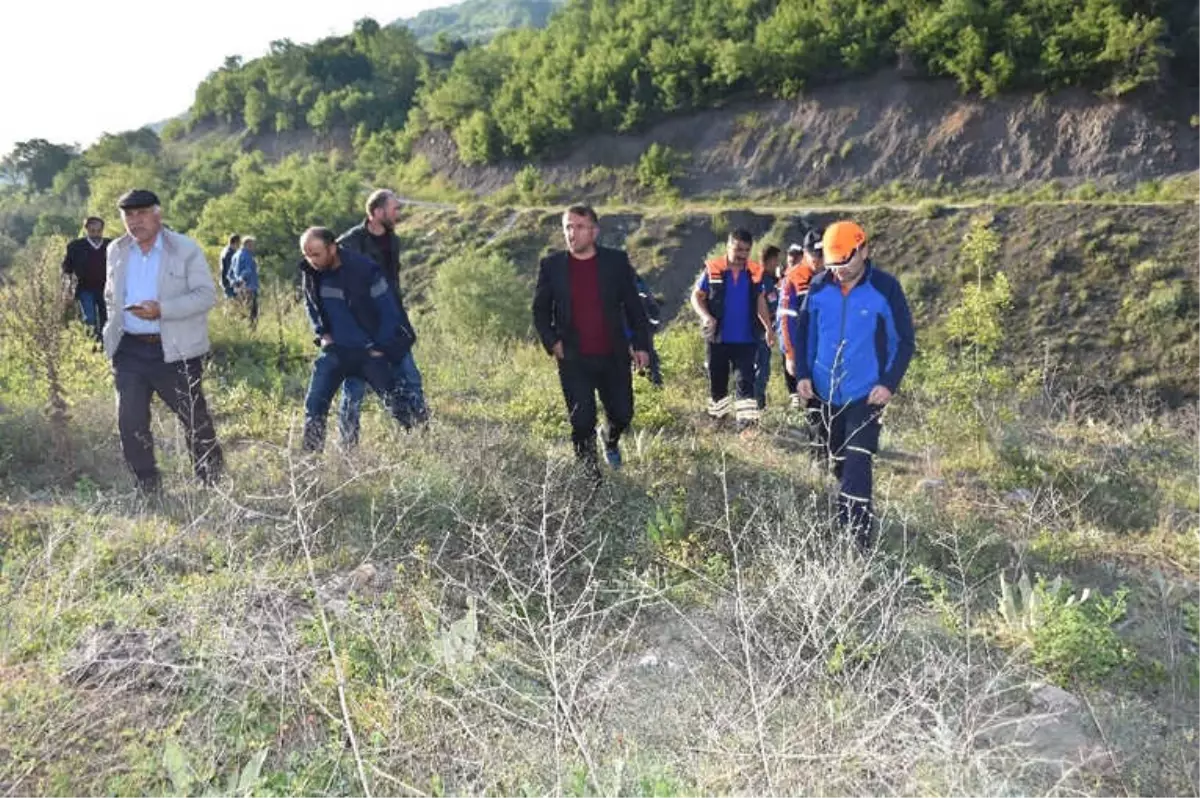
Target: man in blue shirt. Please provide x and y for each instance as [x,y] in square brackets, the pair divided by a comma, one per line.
[854,341]
[733,315]
[358,326]
[243,274]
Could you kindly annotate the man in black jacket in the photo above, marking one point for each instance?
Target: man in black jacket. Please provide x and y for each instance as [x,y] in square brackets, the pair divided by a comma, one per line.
[376,238]
[86,260]
[583,299]
[227,253]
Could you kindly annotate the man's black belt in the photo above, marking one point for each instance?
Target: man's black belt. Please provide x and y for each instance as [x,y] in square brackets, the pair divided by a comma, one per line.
[147,338]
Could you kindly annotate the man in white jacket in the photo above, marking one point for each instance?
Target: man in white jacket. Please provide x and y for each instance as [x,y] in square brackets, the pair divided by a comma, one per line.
[160,290]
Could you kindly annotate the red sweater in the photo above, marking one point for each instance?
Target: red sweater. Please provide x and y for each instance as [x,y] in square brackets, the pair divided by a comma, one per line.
[587,309]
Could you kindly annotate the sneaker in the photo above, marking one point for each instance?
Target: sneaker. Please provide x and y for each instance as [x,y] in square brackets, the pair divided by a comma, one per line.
[613,457]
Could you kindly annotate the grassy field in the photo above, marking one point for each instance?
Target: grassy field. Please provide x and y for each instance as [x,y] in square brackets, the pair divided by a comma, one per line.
[458,611]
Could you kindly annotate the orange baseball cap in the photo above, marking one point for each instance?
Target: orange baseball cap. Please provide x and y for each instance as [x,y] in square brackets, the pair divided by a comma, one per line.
[841,240]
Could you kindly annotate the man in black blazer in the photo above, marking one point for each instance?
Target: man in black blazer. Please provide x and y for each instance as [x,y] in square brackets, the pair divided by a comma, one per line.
[584,299]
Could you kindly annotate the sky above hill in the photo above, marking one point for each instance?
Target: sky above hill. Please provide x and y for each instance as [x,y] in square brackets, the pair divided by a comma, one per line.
[70,71]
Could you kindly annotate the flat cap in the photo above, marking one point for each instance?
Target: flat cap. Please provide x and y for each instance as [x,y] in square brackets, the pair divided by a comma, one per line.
[137,198]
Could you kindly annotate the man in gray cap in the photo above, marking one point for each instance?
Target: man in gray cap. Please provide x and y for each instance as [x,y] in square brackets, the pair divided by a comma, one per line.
[161,291]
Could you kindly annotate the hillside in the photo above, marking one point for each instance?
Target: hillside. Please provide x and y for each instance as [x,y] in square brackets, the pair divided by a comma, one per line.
[887,133]
[460,612]
[478,20]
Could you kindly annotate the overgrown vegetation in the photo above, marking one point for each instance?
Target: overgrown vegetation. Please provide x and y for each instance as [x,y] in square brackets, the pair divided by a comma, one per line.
[459,612]
[614,66]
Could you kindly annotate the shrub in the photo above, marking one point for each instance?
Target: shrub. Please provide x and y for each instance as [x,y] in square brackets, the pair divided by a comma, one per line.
[657,168]
[928,209]
[529,183]
[1068,635]
[482,298]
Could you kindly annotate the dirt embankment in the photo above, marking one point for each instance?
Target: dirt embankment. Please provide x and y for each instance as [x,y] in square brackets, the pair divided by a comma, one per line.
[870,132]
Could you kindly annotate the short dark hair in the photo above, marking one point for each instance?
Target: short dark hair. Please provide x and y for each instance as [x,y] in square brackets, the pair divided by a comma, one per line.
[379,197]
[234,238]
[580,209]
[742,234]
[91,219]
[324,233]
[769,252]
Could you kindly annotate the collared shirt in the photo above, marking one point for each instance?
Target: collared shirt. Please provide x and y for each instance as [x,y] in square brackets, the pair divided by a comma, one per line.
[141,284]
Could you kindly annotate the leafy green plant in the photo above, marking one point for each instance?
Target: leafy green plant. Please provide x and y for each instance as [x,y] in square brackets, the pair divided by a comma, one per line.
[1069,635]
[483,298]
[185,778]
[657,168]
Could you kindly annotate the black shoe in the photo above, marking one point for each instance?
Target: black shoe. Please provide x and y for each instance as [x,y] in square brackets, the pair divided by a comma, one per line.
[149,486]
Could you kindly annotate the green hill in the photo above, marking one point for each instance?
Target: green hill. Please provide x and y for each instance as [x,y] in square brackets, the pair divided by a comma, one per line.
[478,20]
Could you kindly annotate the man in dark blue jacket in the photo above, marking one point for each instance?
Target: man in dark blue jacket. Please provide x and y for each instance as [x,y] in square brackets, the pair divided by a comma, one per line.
[855,339]
[358,327]
[227,253]
[376,239]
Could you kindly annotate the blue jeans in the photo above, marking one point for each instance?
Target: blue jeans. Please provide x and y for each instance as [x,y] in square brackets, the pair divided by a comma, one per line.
[335,365]
[408,387]
[93,310]
[762,373]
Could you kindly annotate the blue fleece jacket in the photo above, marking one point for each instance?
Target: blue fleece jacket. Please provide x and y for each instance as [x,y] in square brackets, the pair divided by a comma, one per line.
[848,344]
[244,270]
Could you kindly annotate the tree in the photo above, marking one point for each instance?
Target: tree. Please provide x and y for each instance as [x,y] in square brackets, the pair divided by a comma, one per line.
[34,163]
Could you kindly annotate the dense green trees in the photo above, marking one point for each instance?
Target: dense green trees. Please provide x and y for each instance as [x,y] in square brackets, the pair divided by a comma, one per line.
[368,77]
[477,20]
[615,64]
[36,162]
[612,64]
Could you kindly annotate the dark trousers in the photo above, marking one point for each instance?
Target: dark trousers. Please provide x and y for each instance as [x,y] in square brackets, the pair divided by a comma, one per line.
[789,380]
[722,359]
[762,374]
[140,372]
[408,385]
[853,441]
[252,301]
[331,367]
[93,310]
[655,366]
[582,378]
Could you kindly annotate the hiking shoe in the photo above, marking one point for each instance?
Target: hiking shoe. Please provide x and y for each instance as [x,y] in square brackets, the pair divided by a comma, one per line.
[613,457]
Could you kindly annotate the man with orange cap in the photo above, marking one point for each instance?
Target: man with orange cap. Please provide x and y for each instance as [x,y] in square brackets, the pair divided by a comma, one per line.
[854,340]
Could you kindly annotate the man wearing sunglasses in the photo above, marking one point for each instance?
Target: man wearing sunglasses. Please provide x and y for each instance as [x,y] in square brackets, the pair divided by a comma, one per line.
[854,342]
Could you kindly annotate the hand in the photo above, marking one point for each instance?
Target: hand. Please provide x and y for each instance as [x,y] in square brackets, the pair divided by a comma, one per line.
[148,310]
[708,327]
[880,395]
[805,389]
[789,365]
[375,353]
[557,350]
[641,359]
[770,338]
[326,340]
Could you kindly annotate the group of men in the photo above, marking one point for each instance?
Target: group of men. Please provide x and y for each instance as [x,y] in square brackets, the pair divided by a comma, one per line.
[239,273]
[844,326]
[846,331]
[157,342]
